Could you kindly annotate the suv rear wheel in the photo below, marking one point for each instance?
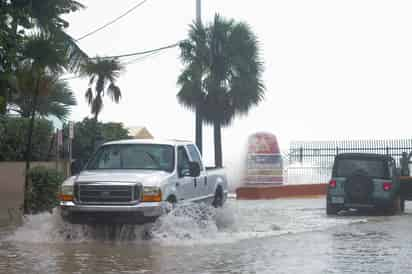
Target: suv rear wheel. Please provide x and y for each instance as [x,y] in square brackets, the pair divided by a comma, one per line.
[402,205]
[395,207]
[332,209]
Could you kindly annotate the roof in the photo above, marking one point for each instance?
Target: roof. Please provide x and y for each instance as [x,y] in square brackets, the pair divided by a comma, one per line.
[140,133]
[149,141]
[363,155]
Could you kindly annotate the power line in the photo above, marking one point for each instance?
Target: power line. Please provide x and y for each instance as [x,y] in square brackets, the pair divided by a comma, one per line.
[113,21]
[142,58]
[149,53]
[138,53]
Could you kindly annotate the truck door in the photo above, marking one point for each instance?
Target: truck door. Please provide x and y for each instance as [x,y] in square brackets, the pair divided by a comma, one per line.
[185,184]
[201,184]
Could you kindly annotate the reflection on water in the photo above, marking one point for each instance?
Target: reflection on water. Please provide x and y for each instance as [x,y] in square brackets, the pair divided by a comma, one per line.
[368,250]
[280,236]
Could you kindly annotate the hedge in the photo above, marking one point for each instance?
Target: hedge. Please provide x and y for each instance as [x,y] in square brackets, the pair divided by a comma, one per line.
[43,191]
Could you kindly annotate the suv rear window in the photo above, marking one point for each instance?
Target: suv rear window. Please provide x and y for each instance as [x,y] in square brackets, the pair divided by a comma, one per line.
[373,168]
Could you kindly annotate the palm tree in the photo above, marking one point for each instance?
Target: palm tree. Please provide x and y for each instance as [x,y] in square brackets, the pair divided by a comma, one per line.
[47,15]
[44,55]
[55,96]
[103,74]
[192,94]
[231,76]
[18,18]
[48,51]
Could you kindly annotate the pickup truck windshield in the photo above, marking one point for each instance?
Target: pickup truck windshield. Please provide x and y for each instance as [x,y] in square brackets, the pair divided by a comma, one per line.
[134,156]
[371,167]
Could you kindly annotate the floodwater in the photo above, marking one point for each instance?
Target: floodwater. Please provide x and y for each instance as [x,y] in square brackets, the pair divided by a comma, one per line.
[277,236]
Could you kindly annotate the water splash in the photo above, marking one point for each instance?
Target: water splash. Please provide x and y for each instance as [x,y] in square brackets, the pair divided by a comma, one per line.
[192,224]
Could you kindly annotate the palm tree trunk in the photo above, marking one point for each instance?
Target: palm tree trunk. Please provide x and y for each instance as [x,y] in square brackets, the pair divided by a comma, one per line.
[217,132]
[3,104]
[29,145]
[94,139]
[4,98]
[51,146]
[199,130]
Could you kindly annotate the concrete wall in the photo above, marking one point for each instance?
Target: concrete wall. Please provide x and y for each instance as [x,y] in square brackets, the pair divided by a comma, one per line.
[283,191]
[12,187]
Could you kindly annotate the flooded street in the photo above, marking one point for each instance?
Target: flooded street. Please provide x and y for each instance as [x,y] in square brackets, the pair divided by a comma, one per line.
[277,236]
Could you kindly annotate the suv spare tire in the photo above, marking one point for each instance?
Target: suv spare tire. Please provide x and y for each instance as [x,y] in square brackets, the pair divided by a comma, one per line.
[359,188]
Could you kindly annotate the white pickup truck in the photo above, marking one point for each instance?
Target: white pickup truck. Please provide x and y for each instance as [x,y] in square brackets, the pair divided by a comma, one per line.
[136,181]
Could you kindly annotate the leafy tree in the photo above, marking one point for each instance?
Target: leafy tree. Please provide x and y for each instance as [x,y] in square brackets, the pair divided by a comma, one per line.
[13,139]
[44,54]
[10,45]
[55,96]
[19,19]
[32,34]
[84,134]
[46,15]
[231,76]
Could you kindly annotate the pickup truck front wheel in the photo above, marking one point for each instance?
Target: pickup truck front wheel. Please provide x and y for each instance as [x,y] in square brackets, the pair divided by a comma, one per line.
[68,218]
[218,199]
[171,203]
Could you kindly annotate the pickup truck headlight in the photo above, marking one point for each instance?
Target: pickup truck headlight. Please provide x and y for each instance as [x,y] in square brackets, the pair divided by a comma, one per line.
[66,193]
[152,194]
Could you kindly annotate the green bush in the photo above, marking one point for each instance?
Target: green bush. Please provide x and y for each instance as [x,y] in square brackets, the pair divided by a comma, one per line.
[13,138]
[43,191]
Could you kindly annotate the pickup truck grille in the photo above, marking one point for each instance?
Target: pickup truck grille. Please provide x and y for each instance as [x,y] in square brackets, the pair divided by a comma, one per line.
[107,193]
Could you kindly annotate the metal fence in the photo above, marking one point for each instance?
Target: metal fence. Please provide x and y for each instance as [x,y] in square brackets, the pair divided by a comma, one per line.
[311,162]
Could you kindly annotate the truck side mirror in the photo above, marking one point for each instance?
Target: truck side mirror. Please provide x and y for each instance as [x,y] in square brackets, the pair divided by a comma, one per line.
[194,169]
[76,167]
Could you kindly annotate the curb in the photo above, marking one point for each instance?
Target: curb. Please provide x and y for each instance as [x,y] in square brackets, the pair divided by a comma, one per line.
[257,192]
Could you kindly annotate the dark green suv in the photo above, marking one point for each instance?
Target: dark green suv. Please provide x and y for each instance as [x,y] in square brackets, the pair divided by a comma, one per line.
[364,181]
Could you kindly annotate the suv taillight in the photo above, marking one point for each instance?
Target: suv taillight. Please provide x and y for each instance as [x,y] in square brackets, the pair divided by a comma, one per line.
[387,186]
[332,184]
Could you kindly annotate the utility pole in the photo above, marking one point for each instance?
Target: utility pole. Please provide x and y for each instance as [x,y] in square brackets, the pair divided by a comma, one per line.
[199,123]
[199,11]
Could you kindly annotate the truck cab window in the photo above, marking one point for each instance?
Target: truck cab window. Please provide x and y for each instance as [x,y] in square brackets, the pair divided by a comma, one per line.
[194,154]
[182,161]
[134,156]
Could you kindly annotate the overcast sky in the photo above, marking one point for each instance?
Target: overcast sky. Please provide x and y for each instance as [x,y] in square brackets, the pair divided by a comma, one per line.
[333,69]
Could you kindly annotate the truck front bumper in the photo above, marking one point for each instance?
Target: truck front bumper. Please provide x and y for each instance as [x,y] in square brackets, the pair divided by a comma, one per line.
[122,214]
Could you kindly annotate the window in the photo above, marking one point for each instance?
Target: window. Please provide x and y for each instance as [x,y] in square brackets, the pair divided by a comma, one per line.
[182,161]
[134,156]
[370,167]
[194,154]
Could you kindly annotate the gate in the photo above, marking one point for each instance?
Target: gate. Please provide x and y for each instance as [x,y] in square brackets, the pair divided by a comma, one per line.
[311,162]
